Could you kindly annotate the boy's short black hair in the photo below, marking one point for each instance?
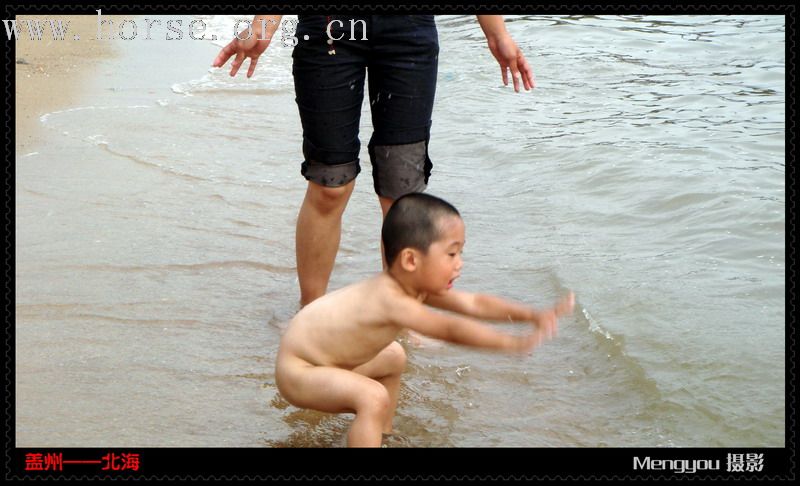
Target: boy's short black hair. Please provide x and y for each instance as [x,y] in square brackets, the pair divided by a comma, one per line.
[413,222]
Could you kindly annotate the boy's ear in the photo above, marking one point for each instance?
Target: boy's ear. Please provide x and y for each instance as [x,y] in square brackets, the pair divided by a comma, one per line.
[409,260]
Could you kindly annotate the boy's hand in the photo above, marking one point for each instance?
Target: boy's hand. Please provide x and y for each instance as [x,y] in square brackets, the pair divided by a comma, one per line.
[545,323]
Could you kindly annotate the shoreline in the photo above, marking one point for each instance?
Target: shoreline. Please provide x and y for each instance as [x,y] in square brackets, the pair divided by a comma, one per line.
[52,74]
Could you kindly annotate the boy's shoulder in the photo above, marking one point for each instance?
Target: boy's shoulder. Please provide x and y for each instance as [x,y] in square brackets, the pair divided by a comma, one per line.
[378,299]
[380,288]
[387,283]
[383,291]
[393,297]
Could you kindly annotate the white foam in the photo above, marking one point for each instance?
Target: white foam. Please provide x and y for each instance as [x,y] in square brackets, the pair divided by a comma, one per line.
[273,71]
[594,326]
[44,118]
[97,139]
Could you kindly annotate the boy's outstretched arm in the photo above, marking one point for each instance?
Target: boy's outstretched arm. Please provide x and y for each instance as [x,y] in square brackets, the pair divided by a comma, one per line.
[493,308]
[460,330]
[412,315]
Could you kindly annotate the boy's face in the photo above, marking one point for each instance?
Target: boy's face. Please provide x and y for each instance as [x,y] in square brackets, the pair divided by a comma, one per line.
[442,263]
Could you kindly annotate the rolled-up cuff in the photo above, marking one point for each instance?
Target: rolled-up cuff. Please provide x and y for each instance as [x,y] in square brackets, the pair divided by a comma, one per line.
[400,169]
[330,175]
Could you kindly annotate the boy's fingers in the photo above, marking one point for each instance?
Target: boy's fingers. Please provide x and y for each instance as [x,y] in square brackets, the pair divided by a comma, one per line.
[536,339]
[504,72]
[527,343]
[566,305]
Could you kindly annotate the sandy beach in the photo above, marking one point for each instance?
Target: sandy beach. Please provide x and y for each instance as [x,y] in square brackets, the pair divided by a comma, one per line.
[49,73]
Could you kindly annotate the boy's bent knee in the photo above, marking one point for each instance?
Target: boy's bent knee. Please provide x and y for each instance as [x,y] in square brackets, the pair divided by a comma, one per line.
[374,401]
[397,357]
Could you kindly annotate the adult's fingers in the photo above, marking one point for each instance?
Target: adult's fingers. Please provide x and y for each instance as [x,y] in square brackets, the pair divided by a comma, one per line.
[224,54]
[252,68]
[515,74]
[237,63]
[515,66]
[526,71]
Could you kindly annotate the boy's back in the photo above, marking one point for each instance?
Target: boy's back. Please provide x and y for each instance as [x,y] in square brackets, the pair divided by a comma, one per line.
[347,327]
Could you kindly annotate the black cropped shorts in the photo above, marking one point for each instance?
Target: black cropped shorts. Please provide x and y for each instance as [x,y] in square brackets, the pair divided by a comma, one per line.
[400,54]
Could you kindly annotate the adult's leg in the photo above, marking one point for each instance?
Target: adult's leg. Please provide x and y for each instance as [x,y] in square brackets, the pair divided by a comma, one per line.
[329,92]
[319,228]
[386,203]
[402,86]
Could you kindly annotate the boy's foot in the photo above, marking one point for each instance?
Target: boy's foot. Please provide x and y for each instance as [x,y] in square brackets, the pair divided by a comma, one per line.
[394,440]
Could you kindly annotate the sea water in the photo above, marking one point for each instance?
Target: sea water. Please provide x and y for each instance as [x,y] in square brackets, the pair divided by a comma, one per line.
[155,266]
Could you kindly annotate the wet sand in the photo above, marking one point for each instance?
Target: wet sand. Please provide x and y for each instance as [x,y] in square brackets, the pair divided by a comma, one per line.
[50,74]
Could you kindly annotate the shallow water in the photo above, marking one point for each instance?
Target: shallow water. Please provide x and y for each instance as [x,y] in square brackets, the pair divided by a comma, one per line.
[155,243]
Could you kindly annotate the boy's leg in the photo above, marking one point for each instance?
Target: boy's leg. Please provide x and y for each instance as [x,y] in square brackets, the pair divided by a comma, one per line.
[387,368]
[334,390]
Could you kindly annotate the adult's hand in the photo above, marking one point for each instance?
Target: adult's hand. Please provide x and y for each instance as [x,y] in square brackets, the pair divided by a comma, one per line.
[249,47]
[507,53]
